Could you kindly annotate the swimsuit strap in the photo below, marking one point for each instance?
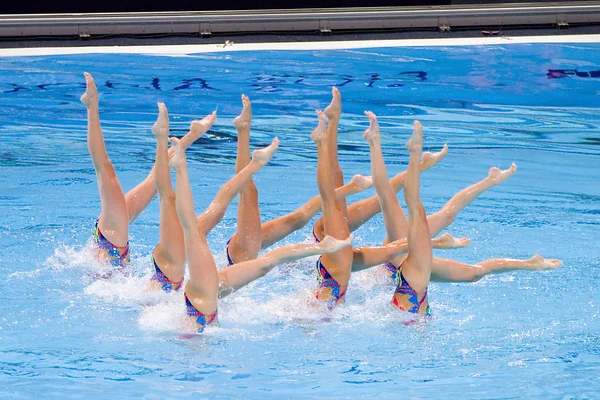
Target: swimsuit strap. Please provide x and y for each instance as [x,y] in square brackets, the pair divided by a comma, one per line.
[202,320]
[324,276]
[229,260]
[159,276]
[336,295]
[315,235]
[393,270]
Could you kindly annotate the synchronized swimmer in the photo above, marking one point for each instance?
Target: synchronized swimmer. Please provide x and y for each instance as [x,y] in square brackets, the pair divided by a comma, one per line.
[406,252]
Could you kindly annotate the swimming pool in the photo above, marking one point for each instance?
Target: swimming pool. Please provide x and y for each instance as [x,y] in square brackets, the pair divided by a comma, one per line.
[517,335]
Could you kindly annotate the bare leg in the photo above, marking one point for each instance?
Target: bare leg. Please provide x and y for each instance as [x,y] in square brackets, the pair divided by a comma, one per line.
[169,254]
[114,218]
[246,242]
[448,213]
[362,211]
[140,196]
[278,228]
[444,270]
[203,286]
[216,210]
[241,274]
[338,264]
[416,269]
[395,221]
[368,256]
[333,111]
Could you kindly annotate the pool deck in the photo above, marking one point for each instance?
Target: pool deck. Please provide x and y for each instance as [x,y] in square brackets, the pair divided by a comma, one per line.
[234,44]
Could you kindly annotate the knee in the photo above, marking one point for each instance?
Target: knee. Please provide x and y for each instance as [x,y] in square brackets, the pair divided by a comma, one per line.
[418,210]
[263,271]
[168,197]
[202,231]
[202,237]
[448,216]
[476,276]
[172,256]
[105,168]
[297,220]
[241,251]
[251,188]
[387,197]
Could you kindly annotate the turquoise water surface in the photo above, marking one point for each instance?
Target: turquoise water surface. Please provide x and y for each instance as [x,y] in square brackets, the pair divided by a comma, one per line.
[517,335]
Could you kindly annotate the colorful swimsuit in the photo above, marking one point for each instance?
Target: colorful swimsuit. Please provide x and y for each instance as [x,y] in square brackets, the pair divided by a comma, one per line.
[201,320]
[392,270]
[407,299]
[116,256]
[315,235]
[167,284]
[329,290]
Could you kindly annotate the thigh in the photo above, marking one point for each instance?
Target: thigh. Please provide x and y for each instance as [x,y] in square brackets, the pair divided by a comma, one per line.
[203,271]
[437,222]
[417,266]
[339,264]
[446,270]
[396,224]
[172,246]
[114,214]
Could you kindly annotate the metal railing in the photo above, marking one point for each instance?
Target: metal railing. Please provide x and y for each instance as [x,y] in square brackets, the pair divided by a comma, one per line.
[302,20]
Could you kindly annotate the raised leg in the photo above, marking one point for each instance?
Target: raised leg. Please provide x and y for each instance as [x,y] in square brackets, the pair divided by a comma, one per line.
[445,270]
[113,221]
[203,286]
[333,112]
[369,256]
[216,210]
[246,242]
[362,211]
[448,213]
[416,269]
[140,196]
[396,224]
[278,228]
[241,274]
[339,263]
[169,254]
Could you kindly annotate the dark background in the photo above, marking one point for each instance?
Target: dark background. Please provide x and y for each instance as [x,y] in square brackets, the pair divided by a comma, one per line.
[87,6]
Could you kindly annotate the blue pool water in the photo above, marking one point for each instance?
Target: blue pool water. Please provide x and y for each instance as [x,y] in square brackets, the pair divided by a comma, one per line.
[517,335]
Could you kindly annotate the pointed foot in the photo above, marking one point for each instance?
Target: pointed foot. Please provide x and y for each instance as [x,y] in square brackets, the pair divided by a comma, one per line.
[415,143]
[264,155]
[331,245]
[161,126]
[320,132]
[372,133]
[334,109]
[244,120]
[90,96]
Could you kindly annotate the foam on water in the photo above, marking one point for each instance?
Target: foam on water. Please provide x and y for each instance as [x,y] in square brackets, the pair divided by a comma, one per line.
[284,298]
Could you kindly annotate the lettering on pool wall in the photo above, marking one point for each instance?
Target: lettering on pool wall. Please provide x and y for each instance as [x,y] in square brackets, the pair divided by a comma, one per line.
[258,82]
[565,73]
